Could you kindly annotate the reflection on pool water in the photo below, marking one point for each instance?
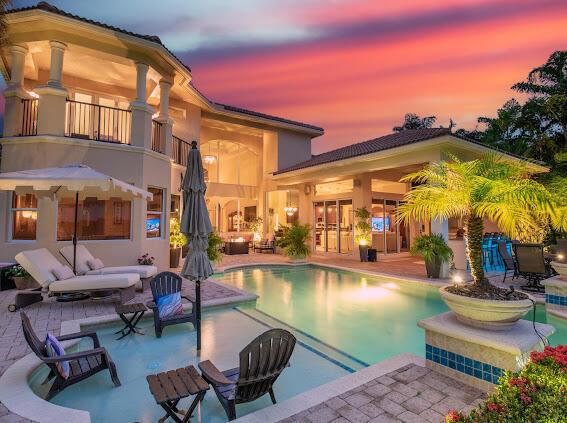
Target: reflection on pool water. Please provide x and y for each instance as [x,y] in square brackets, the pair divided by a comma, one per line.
[343,320]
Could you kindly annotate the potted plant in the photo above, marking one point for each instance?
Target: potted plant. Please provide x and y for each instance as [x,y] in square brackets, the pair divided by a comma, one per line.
[486,188]
[146,260]
[434,251]
[363,232]
[176,241]
[22,279]
[294,241]
[213,250]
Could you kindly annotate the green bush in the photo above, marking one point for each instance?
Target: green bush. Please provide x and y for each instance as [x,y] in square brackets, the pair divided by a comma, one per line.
[294,241]
[363,227]
[176,238]
[431,246]
[538,393]
[17,272]
[213,250]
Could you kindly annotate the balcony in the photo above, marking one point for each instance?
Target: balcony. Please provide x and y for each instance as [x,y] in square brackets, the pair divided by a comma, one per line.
[180,151]
[29,117]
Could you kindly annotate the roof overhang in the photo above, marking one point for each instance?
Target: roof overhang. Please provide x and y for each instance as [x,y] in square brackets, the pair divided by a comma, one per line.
[430,150]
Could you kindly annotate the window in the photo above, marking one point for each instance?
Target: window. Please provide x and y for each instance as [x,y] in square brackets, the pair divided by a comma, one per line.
[24,217]
[96,219]
[154,216]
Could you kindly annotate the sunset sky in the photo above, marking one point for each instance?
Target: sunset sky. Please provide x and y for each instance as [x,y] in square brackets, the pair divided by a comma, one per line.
[354,67]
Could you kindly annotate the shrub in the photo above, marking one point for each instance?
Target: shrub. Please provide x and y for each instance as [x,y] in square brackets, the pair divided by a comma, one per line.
[213,250]
[294,241]
[17,272]
[430,247]
[146,260]
[538,393]
[363,227]
[176,238]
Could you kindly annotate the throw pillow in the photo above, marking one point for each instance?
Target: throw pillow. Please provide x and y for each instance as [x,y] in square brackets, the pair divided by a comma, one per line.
[55,349]
[95,264]
[63,272]
[170,305]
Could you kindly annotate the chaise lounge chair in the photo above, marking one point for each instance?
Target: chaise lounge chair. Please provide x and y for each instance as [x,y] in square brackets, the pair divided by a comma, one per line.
[167,283]
[82,364]
[145,272]
[261,363]
[40,264]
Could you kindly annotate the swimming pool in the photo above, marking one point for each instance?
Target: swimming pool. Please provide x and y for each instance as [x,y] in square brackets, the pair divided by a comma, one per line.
[366,317]
[343,321]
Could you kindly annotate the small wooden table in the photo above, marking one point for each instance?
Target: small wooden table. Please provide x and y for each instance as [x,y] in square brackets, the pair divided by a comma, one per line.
[137,310]
[168,388]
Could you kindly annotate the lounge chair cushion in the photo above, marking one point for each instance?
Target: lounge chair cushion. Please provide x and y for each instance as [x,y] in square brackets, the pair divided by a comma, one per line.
[170,306]
[95,282]
[144,271]
[40,264]
[55,349]
[63,272]
[95,264]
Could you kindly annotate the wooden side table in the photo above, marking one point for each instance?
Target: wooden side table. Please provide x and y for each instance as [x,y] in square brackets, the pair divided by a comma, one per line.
[168,388]
[137,310]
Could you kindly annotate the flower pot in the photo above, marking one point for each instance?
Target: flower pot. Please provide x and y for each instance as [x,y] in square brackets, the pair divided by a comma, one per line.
[363,250]
[433,268]
[174,256]
[22,282]
[486,314]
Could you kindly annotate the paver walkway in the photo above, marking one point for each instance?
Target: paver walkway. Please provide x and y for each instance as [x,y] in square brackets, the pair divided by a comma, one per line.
[411,394]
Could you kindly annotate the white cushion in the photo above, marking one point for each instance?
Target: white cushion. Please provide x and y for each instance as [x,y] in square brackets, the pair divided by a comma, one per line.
[83,257]
[143,271]
[63,272]
[39,263]
[95,264]
[92,282]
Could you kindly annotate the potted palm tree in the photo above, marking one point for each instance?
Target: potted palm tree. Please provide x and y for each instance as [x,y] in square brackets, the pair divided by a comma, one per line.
[363,232]
[486,188]
[294,242]
[434,251]
[176,242]
[213,249]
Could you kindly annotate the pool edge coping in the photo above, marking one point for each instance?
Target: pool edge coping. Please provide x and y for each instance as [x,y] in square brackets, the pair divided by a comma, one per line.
[18,397]
[325,392]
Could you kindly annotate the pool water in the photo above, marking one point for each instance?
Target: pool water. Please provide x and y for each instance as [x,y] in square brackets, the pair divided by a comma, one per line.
[366,317]
[224,333]
[343,321]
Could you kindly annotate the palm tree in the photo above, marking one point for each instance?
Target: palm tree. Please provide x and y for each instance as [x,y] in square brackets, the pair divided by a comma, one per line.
[489,187]
[413,121]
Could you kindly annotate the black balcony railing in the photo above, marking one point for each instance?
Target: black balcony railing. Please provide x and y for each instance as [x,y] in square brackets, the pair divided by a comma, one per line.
[29,117]
[180,151]
[95,122]
[157,137]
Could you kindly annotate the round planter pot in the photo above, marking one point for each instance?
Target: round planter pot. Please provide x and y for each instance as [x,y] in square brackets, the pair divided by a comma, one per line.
[486,314]
[560,268]
[363,251]
[433,268]
[22,282]
[174,256]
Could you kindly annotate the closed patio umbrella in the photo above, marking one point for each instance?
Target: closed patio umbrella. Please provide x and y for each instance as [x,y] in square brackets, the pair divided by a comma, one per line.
[196,225]
[77,180]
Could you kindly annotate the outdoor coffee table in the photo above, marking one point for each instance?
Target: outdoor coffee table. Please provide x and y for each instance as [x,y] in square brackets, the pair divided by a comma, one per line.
[137,310]
[168,388]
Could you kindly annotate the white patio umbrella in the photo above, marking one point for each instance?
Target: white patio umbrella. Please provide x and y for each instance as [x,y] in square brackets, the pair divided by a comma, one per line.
[77,180]
[196,225]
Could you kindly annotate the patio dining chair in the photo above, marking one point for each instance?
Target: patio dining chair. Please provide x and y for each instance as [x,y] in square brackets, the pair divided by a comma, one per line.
[261,363]
[167,283]
[82,364]
[507,260]
[531,265]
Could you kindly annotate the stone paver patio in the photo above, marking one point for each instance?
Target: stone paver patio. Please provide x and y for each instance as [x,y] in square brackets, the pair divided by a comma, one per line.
[411,394]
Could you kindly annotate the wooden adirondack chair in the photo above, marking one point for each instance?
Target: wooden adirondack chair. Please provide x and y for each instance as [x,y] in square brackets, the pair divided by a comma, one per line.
[82,364]
[166,283]
[261,363]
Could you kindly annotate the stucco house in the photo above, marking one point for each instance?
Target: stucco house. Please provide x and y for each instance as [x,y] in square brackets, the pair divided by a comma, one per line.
[80,91]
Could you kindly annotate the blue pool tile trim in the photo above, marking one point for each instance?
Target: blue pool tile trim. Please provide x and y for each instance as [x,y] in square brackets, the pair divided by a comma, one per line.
[463,364]
[556,299]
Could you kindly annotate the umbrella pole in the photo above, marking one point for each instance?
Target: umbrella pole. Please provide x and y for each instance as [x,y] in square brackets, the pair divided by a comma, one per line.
[75,233]
[198,306]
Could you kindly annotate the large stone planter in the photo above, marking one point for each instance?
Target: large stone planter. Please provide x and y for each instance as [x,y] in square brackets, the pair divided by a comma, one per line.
[560,268]
[486,314]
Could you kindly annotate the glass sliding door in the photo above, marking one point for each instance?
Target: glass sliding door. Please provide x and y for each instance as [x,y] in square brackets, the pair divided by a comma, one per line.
[390,227]
[387,235]
[345,226]
[378,225]
[331,226]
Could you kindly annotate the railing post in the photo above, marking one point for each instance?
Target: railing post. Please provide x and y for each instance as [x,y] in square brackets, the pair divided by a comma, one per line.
[166,134]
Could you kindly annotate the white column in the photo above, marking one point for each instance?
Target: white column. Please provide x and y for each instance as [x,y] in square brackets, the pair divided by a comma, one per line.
[441,226]
[141,111]
[18,53]
[163,118]
[56,69]
[15,92]
[164,88]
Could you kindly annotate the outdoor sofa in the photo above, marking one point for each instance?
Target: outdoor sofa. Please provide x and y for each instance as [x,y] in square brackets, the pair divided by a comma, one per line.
[40,264]
[84,256]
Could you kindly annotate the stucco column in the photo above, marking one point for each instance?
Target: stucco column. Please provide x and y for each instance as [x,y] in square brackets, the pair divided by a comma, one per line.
[163,118]
[441,226]
[15,92]
[141,111]
[53,96]
[361,197]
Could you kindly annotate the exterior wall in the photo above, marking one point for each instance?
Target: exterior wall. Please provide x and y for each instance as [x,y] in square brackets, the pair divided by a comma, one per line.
[292,148]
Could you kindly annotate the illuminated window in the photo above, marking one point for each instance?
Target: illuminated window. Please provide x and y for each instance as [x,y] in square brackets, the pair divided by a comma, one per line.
[96,219]
[24,217]
[338,187]
[154,215]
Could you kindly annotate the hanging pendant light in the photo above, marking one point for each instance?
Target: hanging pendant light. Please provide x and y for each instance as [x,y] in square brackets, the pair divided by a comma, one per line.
[289,209]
